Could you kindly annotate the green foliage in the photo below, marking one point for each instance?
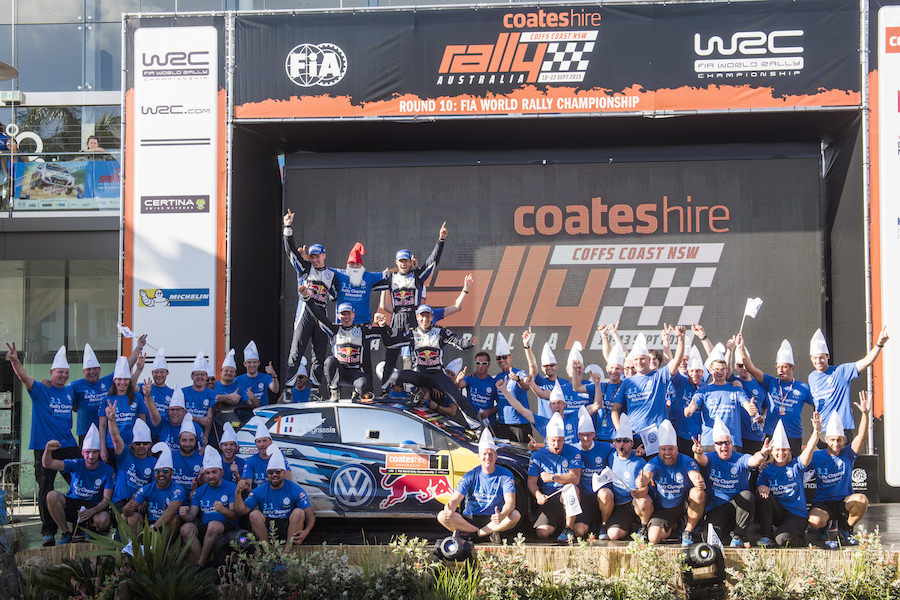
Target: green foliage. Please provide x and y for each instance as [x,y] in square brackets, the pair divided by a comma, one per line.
[505,575]
[82,578]
[653,577]
[456,583]
[762,578]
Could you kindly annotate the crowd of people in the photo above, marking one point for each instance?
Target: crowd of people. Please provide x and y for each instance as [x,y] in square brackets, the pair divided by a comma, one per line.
[662,443]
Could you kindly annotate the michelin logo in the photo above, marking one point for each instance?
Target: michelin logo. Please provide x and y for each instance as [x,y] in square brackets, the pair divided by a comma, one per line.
[163,298]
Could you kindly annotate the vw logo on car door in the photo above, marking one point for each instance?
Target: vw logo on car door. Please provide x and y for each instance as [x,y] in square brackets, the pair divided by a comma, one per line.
[352,486]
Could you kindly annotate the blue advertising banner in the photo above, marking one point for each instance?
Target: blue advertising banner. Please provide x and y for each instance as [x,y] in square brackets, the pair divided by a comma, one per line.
[67,185]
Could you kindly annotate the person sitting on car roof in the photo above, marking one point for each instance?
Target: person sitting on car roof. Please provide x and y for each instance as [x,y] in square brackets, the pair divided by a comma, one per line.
[490,495]
[257,465]
[278,502]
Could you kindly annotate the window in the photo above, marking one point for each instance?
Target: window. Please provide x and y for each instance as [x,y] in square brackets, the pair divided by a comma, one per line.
[380,427]
[50,57]
[313,425]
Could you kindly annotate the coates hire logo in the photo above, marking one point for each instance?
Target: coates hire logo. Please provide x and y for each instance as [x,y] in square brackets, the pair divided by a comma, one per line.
[749,54]
[536,47]
[174,204]
[175,64]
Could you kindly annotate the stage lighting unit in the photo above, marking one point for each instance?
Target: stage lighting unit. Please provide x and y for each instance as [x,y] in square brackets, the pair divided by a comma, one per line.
[704,578]
[453,549]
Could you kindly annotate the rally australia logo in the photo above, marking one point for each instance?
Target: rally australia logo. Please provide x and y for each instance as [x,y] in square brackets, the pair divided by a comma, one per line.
[308,65]
[749,54]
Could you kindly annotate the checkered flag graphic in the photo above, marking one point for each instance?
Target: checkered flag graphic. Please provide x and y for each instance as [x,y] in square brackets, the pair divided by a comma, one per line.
[565,57]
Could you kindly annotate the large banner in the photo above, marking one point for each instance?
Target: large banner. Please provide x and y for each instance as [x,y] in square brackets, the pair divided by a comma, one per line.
[557,59]
[67,185]
[561,247]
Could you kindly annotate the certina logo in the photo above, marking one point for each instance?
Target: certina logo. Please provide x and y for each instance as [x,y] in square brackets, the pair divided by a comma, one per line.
[173,109]
[174,204]
[177,63]
[749,54]
[308,65]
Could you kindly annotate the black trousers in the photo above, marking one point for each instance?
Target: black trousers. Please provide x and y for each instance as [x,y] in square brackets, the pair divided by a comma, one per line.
[514,432]
[791,528]
[437,380]
[400,322]
[45,479]
[733,518]
[337,374]
[307,329]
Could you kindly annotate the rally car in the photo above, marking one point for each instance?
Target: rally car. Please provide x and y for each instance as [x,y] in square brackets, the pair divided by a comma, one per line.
[362,460]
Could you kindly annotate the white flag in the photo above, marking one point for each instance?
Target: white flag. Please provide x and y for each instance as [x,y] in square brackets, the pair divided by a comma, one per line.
[598,480]
[752,308]
[650,439]
[570,500]
[712,538]
[124,331]
[128,549]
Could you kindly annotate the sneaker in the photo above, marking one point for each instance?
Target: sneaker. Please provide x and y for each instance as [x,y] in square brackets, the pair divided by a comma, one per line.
[736,542]
[65,538]
[495,538]
[48,540]
[687,538]
[765,542]
[335,395]
[642,533]
[602,534]
[847,538]
[565,535]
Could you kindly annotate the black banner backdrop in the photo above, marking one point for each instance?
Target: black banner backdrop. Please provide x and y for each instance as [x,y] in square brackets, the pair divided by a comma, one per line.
[563,246]
[548,59]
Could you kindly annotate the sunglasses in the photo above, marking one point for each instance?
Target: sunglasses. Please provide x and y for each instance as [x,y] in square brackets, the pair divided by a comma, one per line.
[273,471]
[159,471]
[141,443]
[725,443]
[739,365]
[623,440]
[482,362]
[503,357]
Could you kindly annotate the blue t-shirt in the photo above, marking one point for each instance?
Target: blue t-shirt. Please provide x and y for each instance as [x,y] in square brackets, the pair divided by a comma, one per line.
[507,413]
[831,392]
[220,389]
[628,470]
[751,430]
[126,414]
[726,478]
[603,423]
[593,461]
[723,401]
[786,484]
[255,469]
[186,468]
[159,499]
[547,385]
[576,399]
[88,400]
[571,424]
[482,394]
[205,497]
[358,296]
[277,504]
[671,482]
[87,484]
[226,466]
[198,403]
[544,461]
[169,433]
[301,395]
[833,474]
[784,401]
[51,415]
[484,492]
[161,397]
[132,473]
[682,393]
[643,398]
[259,385]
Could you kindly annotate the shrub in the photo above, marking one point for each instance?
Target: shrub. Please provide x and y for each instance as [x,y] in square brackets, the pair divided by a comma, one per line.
[505,574]
[762,578]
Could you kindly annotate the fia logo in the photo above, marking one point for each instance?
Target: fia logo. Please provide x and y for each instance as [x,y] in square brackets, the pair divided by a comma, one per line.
[308,65]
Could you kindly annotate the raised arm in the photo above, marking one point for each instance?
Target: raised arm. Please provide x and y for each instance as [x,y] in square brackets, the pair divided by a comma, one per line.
[138,349]
[679,350]
[113,426]
[457,305]
[527,339]
[699,455]
[760,457]
[700,334]
[607,348]
[514,402]
[274,387]
[424,272]
[13,357]
[865,407]
[866,361]
[754,371]
[597,405]
[47,460]
[667,330]
[806,456]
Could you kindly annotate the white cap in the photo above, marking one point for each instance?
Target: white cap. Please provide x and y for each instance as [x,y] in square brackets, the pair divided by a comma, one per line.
[302,369]
[835,425]
[556,427]
[779,437]
[211,459]
[92,439]
[640,347]
[575,354]
[501,348]
[261,430]
[122,370]
[666,434]
[251,352]
[594,368]
[455,365]
[487,441]
[624,429]
[718,353]
[547,357]
[617,355]
[141,431]
[276,458]
[741,355]
[720,429]
[694,360]
[818,345]
[90,359]
[187,426]
[585,421]
[177,399]
[228,434]
[557,393]
[229,360]
[210,372]
[165,457]
[59,361]
[160,361]
[785,353]
[199,363]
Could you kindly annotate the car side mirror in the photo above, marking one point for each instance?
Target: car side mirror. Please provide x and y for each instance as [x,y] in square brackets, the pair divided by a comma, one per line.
[373,434]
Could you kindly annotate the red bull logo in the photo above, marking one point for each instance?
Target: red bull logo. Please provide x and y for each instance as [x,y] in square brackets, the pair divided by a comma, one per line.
[423,487]
[404,297]
[428,358]
[348,354]
[318,291]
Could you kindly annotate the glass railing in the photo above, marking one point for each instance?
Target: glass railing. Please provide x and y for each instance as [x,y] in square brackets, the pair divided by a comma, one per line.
[59,181]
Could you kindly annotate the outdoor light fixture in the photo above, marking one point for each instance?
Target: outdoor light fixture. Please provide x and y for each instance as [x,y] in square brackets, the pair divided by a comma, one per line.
[705,574]
[453,548]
